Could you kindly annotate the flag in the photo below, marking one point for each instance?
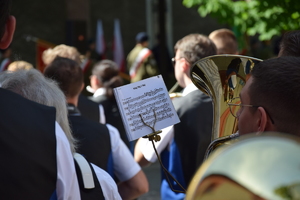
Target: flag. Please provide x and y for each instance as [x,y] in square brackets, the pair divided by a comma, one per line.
[100,43]
[118,47]
[4,64]
[41,46]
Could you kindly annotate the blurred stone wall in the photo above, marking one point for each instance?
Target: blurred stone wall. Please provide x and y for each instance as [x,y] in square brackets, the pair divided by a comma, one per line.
[132,15]
[47,20]
[41,19]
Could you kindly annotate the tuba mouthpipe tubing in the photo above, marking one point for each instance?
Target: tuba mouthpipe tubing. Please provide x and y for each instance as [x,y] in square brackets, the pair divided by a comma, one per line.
[219,141]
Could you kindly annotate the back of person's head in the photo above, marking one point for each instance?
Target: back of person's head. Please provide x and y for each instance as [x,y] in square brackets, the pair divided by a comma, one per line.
[32,85]
[19,65]
[62,51]
[290,44]
[5,6]
[141,37]
[225,41]
[107,72]
[194,47]
[276,86]
[68,74]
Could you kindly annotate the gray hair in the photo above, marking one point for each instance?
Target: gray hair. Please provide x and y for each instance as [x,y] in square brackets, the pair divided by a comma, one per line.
[31,84]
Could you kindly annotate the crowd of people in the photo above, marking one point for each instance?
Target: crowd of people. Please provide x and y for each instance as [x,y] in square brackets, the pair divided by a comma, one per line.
[60,144]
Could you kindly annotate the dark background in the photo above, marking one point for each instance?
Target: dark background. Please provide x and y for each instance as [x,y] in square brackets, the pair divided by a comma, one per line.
[63,21]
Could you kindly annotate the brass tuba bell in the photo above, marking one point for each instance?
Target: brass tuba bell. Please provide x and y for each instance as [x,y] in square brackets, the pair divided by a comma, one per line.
[222,77]
[259,167]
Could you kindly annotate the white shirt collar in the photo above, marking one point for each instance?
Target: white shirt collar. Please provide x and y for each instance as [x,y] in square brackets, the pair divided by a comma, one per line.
[188,89]
[100,91]
[90,89]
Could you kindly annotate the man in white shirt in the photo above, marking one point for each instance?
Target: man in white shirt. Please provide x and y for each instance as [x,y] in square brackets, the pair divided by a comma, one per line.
[100,144]
[18,124]
[182,146]
[32,85]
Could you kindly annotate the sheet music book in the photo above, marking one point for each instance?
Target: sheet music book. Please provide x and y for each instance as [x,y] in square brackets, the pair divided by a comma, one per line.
[144,98]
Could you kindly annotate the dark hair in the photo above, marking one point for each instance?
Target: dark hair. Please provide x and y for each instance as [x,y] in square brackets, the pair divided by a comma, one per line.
[107,72]
[141,37]
[5,6]
[276,87]
[290,44]
[195,46]
[67,73]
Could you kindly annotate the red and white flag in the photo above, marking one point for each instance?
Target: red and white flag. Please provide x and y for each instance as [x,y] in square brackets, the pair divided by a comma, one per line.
[100,42]
[118,46]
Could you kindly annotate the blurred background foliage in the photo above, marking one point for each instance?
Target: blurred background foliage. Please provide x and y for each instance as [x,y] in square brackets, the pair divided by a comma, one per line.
[267,18]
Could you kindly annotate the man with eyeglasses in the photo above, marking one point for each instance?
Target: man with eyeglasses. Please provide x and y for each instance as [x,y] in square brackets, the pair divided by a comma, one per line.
[270,99]
[182,146]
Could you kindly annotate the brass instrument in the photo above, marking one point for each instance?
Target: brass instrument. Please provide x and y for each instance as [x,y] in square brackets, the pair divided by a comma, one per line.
[219,142]
[222,77]
[259,167]
[173,93]
[253,166]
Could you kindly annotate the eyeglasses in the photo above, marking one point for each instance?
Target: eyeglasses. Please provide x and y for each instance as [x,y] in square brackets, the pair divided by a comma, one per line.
[235,105]
[174,61]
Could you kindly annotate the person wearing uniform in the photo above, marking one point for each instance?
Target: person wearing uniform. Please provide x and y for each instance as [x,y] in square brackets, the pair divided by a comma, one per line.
[140,61]
[105,77]
[99,143]
[32,84]
[182,146]
[29,135]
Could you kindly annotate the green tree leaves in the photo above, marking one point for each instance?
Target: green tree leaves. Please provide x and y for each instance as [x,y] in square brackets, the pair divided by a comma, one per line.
[264,17]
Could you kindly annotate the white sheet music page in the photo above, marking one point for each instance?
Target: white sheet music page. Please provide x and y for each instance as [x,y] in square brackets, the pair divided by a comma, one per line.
[150,99]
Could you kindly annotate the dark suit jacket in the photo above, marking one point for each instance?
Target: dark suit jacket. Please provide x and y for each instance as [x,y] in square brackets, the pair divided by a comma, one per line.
[193,134]
[88,108]
[93,139]
[112,115]
[28,148]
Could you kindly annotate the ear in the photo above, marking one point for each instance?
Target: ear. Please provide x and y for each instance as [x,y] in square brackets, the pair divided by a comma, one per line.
[95,83]
[8,32]
[262,121]
[186,66]
[92,81]
[98,82]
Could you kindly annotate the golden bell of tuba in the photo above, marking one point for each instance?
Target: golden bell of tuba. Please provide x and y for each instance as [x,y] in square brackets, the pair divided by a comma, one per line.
[222,77]
[259,167]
